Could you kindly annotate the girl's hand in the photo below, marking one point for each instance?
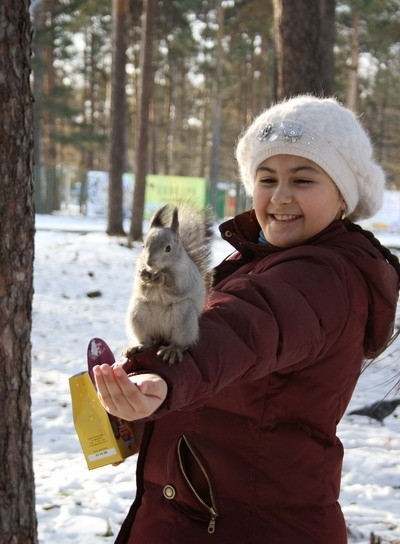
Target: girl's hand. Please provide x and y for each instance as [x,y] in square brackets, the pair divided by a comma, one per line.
[129,398]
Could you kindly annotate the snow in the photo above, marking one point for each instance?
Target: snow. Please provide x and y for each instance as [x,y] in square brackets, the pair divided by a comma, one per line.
[75,257]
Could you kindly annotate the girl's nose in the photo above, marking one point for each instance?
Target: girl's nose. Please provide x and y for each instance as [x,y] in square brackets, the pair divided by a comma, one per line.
[282,194]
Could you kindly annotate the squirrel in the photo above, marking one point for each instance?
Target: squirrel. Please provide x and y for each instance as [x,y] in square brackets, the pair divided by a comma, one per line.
[172,281]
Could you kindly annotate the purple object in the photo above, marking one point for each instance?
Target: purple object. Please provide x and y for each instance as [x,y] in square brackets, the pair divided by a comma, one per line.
[98,353]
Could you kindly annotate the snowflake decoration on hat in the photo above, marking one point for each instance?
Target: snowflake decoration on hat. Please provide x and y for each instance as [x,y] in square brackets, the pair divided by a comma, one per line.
[289,132]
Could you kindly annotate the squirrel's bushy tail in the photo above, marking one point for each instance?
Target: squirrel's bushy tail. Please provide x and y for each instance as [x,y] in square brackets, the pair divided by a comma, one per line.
[195,235]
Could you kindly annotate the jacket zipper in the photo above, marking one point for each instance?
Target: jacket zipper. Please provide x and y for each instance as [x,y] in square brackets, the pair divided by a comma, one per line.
[211,509]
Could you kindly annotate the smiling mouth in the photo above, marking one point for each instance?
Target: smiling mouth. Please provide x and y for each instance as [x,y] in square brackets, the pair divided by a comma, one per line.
[284,217]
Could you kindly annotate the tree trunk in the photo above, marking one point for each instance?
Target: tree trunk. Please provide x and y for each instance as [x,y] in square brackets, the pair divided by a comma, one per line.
[217,121]
[146,88]
[327,40]
[38,83]
[17,502]
[298,47]
[89,97]
[118,118]
[352,78]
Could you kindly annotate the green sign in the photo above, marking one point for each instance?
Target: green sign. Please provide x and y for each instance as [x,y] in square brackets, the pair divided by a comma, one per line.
[161,190]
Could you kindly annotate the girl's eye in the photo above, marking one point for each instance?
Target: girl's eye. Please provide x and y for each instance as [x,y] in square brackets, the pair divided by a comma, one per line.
[266,181]
[303,181]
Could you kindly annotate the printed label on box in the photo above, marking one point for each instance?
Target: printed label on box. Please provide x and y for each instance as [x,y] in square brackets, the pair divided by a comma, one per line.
[104,438]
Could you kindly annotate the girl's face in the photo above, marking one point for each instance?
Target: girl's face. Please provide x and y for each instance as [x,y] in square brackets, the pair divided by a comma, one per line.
[294,199]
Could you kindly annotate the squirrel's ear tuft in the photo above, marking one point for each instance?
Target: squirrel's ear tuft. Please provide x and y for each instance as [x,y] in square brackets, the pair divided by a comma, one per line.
[157,219]
[175,222]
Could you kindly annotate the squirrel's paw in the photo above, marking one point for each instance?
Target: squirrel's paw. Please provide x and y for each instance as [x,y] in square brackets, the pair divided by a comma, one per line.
[131,350]
[171,353]
[152,277]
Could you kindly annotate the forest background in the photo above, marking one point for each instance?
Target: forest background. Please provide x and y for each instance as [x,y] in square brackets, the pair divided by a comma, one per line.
[214,66]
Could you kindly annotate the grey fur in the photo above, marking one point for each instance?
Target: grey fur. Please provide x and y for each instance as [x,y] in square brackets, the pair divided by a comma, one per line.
[172,281]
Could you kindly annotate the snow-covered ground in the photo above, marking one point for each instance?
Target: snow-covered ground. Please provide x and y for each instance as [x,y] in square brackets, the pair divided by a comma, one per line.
[74,505]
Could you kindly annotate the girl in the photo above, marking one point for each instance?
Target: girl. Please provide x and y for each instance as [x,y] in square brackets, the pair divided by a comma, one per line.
[239,442]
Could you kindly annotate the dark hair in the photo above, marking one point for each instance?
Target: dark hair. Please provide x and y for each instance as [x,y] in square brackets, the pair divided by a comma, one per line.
[389,256]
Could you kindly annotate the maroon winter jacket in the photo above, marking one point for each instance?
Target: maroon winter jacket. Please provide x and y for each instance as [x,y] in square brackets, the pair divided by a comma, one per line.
[244,450]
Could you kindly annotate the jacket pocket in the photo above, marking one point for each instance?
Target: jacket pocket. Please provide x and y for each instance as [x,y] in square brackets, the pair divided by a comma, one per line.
[192,493]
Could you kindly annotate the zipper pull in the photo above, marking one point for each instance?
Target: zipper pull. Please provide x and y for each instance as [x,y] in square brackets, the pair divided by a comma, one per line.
[211,525]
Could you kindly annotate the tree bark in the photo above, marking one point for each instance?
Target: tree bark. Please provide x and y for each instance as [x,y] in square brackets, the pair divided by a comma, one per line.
[217,121]
[327,40]
[352,77]
[17,503]
[146,88]
[37,11]
[118,118]
[298,47]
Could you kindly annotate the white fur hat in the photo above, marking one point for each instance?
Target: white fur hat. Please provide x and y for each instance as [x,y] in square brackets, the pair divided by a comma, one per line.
[323,131]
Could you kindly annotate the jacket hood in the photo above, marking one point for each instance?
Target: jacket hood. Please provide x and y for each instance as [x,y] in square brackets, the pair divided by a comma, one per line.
[380,277]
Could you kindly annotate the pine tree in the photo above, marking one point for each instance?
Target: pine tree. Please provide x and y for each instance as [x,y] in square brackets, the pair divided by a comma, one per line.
[17,504]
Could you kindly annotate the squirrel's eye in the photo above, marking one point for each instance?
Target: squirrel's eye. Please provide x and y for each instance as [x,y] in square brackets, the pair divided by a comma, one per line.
[167,248]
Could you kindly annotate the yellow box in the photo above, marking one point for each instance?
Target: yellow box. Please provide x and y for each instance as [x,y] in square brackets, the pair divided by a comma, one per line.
[105,439]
